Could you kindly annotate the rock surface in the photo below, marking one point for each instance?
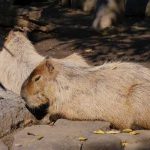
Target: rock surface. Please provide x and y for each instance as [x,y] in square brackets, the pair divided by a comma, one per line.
[64,135]
[2,146]
[13,112]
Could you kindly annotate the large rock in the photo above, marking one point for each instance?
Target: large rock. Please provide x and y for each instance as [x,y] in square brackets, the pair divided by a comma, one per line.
[13,113]
[2,146]
[64,135]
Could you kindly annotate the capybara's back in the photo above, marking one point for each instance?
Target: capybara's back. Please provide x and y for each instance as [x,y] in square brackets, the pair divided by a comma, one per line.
[114,92]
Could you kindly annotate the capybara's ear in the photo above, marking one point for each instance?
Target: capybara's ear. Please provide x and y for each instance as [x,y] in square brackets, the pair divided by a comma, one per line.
[49,66]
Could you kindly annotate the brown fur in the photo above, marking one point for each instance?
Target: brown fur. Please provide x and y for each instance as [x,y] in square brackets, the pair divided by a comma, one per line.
[114,92]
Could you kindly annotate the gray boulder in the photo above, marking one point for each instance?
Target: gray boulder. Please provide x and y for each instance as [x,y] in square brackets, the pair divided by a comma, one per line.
[2,146]
[64,135]
[13,112]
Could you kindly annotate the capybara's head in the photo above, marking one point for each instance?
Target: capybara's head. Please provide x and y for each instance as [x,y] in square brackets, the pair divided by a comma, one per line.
[38,89]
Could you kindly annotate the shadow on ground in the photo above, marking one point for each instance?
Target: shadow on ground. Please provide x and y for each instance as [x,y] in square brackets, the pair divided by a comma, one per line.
[129,41]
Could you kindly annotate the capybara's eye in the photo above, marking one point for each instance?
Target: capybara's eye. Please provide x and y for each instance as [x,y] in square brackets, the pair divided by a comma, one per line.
[36,78]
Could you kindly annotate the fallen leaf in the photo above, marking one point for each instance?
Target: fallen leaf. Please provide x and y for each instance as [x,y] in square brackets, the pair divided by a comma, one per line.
[27,122]
[124,144]
[88,50]
[29,133]
[40,137]
[113,132]
[99,132]
[18,145]
[82,138]
[134,133]
[138,28]
[127,130]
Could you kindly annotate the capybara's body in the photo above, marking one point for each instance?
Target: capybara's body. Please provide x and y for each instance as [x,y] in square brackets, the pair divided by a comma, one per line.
[18,58]
[115,92]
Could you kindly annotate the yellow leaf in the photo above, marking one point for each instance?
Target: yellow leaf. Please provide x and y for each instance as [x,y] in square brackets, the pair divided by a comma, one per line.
[82,138]
[99,132]
[18,145]
[29,133]
[134,133]
[113,132]
[88,50]
[124,144]
[40,137]
[127,130]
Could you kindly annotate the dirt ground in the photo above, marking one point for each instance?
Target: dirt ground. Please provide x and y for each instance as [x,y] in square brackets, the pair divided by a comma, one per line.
[128,41]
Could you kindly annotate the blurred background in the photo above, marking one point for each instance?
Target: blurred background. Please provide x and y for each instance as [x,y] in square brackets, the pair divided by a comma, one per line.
[100,30]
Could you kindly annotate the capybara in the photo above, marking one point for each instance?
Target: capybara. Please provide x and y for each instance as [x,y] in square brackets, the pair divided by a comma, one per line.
[108,13]
[18,58]
[117,92]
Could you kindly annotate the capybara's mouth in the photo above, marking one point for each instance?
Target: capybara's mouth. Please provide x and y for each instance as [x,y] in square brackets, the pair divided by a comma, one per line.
[40,111]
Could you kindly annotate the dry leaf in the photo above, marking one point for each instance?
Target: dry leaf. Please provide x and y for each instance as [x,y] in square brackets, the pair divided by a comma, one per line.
[27,122]
[82,138]
[18,145]
[88,50]
[29,133]
[113,132]
[124,144]
[99,132]
[134,133]
[40,137]
[127,130]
